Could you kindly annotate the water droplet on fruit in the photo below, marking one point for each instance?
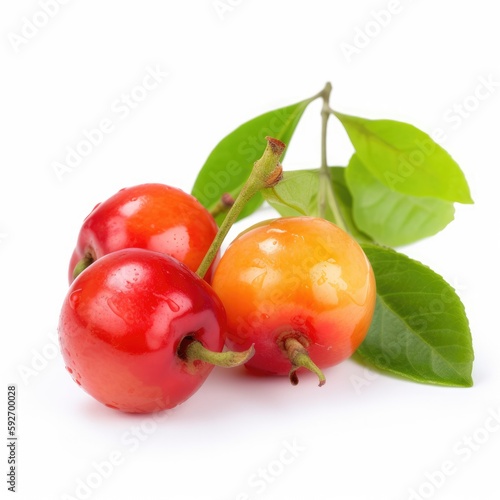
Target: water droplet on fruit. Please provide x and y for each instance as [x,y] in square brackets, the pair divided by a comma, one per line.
[111,301]
[269,246]
[322,279]
[173,305]
[76,377]
[327,282]
[74,298]
[123,308]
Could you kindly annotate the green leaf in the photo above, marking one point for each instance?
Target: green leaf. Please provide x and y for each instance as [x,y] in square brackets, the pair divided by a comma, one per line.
[230,162]
[345,200]
[297,195]
[390,217]
[419,329]
[406,159]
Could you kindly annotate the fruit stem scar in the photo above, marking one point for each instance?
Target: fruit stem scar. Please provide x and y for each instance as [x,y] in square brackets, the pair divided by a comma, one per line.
[266,172]
[82,264]
[225,203]
[190,350]
[299,357]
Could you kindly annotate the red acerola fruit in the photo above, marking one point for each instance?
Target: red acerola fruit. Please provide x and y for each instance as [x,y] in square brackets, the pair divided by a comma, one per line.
[150,216]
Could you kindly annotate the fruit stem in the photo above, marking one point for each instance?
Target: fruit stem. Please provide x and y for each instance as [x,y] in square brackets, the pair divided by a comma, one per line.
[326,196]
[299,357]
[82,264]
[266,172]
[191,350]
[225,203]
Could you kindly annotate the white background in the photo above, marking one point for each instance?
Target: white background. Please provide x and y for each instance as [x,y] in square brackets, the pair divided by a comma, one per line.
[382,440]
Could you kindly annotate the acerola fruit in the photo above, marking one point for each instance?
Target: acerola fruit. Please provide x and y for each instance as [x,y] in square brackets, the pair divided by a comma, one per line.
[151,216]
[135,327]
[301,289]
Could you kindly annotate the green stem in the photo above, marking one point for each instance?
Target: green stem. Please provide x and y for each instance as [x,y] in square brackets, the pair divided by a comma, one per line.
[191,350]
[299,357]
[225,203]
[82,264]
[325,114]
[266,173]
[326,195]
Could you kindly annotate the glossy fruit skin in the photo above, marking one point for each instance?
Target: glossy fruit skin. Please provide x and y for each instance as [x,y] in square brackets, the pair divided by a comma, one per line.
[122,322]
[301,277]
[152,216]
